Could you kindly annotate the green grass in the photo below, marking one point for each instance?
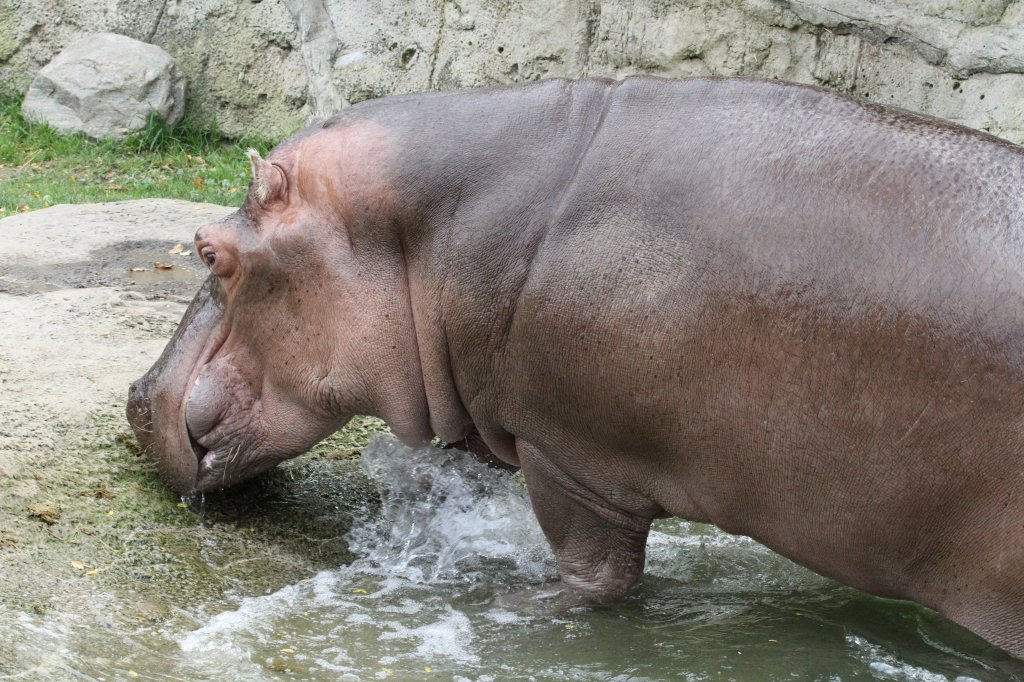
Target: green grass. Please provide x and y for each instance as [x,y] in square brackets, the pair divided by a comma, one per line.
[40,168]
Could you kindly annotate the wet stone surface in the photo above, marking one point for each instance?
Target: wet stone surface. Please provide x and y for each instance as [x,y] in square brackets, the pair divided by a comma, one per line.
[144,266]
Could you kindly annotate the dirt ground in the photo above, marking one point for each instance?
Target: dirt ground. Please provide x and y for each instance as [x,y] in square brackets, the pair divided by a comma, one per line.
[89,536]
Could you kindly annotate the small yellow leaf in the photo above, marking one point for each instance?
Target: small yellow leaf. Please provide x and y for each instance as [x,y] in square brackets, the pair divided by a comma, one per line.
[37,195]
[359,590]
[92,572]
[182,505]
[426,668]
[287,651]
[198,182]
[132,673]
[77,565]
[110,512]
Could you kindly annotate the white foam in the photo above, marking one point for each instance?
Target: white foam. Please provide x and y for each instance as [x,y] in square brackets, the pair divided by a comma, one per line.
[887,666]
[254,615]
[450,637]
[503,617]
[407,607]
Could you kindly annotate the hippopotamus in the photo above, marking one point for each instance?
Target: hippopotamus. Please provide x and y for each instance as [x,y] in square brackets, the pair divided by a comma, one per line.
[777,309]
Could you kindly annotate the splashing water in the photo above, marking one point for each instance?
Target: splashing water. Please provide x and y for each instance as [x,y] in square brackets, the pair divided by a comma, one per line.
[446,517]
[452,535]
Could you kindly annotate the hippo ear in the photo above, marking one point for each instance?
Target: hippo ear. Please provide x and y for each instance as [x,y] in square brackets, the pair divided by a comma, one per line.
[268,179]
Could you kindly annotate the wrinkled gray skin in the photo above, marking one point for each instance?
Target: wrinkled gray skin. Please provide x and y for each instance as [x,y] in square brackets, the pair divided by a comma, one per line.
[769,307]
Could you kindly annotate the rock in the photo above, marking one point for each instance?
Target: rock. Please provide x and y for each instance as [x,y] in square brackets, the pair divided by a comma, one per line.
[105,86]
[266,68]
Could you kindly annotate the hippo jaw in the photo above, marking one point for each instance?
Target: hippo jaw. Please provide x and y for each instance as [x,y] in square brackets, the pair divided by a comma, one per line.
[211,410]
[228,422]
[157,418]
[171,449]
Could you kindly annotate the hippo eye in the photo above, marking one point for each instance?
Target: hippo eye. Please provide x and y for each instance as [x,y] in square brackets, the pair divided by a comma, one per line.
[210,257]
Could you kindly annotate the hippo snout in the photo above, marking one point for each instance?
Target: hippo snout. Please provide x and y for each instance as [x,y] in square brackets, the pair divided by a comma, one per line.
[156,402]
[159,430]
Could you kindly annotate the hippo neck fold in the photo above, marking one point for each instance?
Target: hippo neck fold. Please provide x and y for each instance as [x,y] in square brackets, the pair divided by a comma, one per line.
[485,177]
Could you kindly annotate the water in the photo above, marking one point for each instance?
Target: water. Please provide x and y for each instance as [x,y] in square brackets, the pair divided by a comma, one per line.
[428,599]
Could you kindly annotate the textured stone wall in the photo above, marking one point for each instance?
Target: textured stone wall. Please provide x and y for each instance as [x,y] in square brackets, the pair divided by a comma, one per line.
[267,66]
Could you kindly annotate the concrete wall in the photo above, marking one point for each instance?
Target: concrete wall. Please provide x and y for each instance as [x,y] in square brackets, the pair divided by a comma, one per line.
[266,66]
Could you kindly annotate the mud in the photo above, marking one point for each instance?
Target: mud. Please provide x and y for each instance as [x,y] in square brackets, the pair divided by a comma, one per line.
[145,266]
[89,537]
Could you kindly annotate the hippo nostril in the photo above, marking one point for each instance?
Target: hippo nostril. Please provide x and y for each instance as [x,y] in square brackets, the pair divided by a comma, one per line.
[137,392]
[139,414]
[137,402]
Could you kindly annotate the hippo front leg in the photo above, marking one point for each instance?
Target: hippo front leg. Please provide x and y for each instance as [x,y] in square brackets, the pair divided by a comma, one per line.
[599,545]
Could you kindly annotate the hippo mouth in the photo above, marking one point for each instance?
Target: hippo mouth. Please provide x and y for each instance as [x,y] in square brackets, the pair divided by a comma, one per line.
[200,452]
[219,463]
[210,465]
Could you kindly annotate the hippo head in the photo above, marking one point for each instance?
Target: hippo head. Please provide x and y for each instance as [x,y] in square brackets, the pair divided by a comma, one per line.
[303,322]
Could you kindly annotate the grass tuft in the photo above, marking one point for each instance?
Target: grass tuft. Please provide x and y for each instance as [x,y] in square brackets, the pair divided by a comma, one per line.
[190,160]
[188,136]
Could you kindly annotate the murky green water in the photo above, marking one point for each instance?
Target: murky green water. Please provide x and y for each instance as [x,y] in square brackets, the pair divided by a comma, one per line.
[432,595]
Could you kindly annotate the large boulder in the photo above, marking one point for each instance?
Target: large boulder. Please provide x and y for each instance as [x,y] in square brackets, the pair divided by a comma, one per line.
[106,85]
